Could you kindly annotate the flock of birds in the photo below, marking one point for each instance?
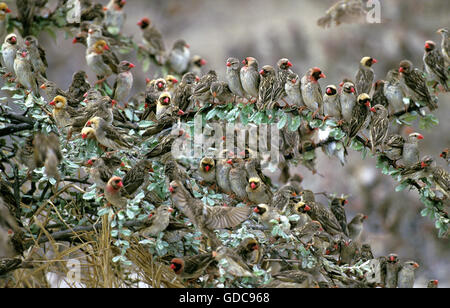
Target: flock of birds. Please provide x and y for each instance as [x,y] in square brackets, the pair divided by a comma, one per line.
[249,194]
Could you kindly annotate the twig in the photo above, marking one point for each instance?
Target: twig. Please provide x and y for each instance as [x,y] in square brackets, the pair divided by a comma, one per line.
[15,129]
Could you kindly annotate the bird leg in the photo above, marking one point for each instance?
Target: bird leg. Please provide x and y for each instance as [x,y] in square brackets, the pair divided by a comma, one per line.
[325,118]
[315,112]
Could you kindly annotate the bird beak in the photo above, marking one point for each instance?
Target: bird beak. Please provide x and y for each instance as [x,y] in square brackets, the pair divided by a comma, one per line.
[243,61]
[416,265]
[24,54]
[85,95]
[90,31]
[374,61]
[106,47]
[373,109]
[256,210]
[43,87]
[346,202]
[139,23]
[322,75]
[427,46]
[261,72]
[75,40]
[352,90]
[88,124]
[228,64]
[230,162]
[89,162]
[294,80]
[105,8]
[160,85]
[52,103]
[328,91]
[207,168]
[27,43]
[132,65]
[122,164]
[253,185]
[8,10]
[113,102]
[147,80]
[401,70]
[180,112]
[365,217]
[83,136]
[423,164]
[171,189]
[197,79]
[120,184]
[289,64]
[166,100]
[367,104]
[174,81]
[420,137]
[307,208]
[170,210]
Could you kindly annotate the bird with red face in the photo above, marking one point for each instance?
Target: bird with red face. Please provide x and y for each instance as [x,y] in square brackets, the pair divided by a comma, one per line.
[434,63]
[311,91]
[191,267]
[9,51]
[153,40]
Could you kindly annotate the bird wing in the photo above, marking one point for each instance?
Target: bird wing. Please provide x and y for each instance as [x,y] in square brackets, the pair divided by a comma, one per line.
[225,217]
[42,55]
[436,63]
[416,81]
[110,59]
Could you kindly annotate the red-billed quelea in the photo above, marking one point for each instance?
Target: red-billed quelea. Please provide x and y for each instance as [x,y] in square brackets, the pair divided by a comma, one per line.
[24,71]
[62,112]
[266,214]
[207,170]
[204,217]
[102,169]
[114,16]
[406,275]
[311,92]
[392,268]
[153,40]
[365,75]
[266,87]
[9,51]
[442,180]
[164,105]
[191,267]
[202,91]
[179,57]
[221,93]
[445,45]
[378,97]
[222,174]
[233,77]
[433,284]
[393,91]
[257,191]
[393,148]
[108,135]
[283,73]
[37,55]
[250,77]
[331,103]
[338,210]
[414,84]
[410,153]
[4,11]
[359,116]
[238,179]
[158,221]
[435,65]
[293,91]
[172,83]
[356,227]
[124,82]
[379,126]
[184,91]
[347,99]
[235,265]
[101,60]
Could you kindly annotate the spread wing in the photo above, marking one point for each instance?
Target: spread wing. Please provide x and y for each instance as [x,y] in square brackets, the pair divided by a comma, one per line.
[225,217]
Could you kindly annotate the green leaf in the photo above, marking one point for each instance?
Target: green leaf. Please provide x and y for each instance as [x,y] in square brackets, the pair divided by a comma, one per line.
[211,114]
[402,186]
[89,195]
[295,123]
[283,120]
[428,121]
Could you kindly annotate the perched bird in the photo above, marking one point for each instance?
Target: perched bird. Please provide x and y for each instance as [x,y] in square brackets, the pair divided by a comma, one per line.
[37,55]
[115,194]
[419,170]
[25,154]
[379,127]
[204,217]
[196,65]
[435,67]
[250,251]
[347,251]
[366,252]
[410,152]
[88,133]
[293,91]
[221,92]
[184,91]
[250,77]
[378,97]
[433,284]
[320,213]
[108,135]
[102,169]
[331,103]
[393,91]
[124,82]
[348,100]
[164,105]
[95,34]
[343,11]
[153,40]
[307,234]
[114,16]
[192,267]
[153,91]
[257,191]
[137,177]
[47,153]
[445,45]
[62,112]
[355,227]
[51,90]
[101,60]
[159,221]
[4,11]
[393,148]
[179,57]
[171,83]
[24,71]
[406,274]
[222,175]
[266,88]
[207,170]
[235,266]
[311,92]
[442,180]
[337,208]
[282,197]
[392,268]
[233,77]
[202,91]
[79,86]
[8,227]
[266,214]
[359,116]
[9,51]
[238,179]
[365,75]
[414,84]
[293,279]
[283,74]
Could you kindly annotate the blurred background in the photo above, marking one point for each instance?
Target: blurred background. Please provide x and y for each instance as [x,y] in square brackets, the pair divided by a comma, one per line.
[269,30]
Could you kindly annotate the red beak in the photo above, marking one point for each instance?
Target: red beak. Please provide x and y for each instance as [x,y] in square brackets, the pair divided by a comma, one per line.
[174,81]
[368,104]
[416,265]
[230,162]
[256,210]
[401,70]
[228,64]
[170,210]
[139,23]
[207,168]
[147,80]
[132,65]
[365,217]
[289,64]
[166,100]
[171,189]
[24,54]
[106,47]
[88,123]
[307,208]
[373,109]
[420,137]
[8,10]
[122,164]
[423,164]
[90,162]
[352,90]
[328,91]
[160,85]
[187,46]
[120,184]
[197,78]
[43,87]
[374,61]
[346,201]
[52,103]
[83,136]
[113,102]
[261,72]
[253,185]
[322,75]
[172,266]
[123,2]
[243,61]
[180,112]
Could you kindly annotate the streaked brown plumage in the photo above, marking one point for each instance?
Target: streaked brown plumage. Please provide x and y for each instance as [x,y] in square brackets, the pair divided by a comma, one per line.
[191,267]
[379,126]
[435,65]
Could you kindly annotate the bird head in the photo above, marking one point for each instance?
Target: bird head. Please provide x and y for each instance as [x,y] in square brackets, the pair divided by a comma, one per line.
[177,265]
[429,46]
[405,67]
[173,187]
[144,23]
[284,64]
[331,90]
[11,39]
[254,183]
[364,99]
[415,136]
[315,74]
[59,102]
[302,207]
[368,61]
[267,71]
[4,8]
[101,46]
[88,133]
[114,184]
[207,164]
[171,80]
[165,99]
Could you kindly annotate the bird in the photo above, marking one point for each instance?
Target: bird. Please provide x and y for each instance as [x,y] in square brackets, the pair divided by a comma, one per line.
[8,227]
[184,91]
[359,116]
[196,65]
[442,180]
[347,98]
[282,197]
[179,57]
[343,11]
[124,82]
[379,126]
[37,55]
[88,133]
[266,88]
[257,191]
[102,169]
[434,64]
[137,178]
[410,152]
[207,170]
[164,105]
[4,11]
[24,71]
[153,40]
[433,284]
[171,83]
[223,168]
[393,91]
[114,16]
[221,93]
[9,51]
[158,221]
[311,92]
[101,60]
[250,77]
[233,77]
[47,153]
[293,279]
[392,268]
[192,267]
[337,208]
[234,265]
[238,179]
[331,103]
[153,91]
[393,148]
[202,91]
[406,274]
[293,91]
[266,214]
[419,170]
[204,217]
[445,45]
[115,194]
[283,74]
[320,213]
[79,86]
[378,97]
[62,112]
[250,250]
[355,227]
[95,34]
[414,84]
[108,135]
[365,75]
